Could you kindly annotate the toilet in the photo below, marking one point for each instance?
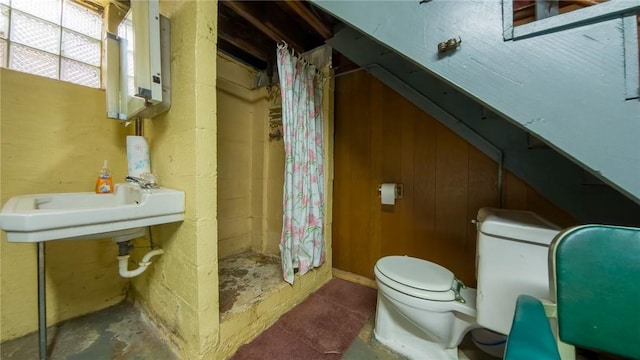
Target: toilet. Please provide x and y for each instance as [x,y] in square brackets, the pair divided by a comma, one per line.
[423,311]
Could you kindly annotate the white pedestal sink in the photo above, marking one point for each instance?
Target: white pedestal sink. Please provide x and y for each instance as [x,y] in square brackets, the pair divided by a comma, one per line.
[87,215]
[123,215]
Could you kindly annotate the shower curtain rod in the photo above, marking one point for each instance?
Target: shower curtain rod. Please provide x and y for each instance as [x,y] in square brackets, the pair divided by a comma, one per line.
[352,71]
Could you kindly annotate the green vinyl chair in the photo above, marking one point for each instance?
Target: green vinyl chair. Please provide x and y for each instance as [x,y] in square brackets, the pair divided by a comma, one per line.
[594,273]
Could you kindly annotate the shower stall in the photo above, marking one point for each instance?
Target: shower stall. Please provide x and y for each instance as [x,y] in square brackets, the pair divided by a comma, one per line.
[250,181]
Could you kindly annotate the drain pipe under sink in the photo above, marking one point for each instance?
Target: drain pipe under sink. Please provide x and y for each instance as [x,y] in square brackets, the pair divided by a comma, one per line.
[123,264]
[125,246]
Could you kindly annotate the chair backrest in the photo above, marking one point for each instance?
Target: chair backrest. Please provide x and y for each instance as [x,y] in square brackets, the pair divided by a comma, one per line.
[596,272]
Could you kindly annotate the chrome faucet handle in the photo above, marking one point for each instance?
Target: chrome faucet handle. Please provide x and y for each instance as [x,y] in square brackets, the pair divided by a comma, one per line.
[150,180]
[133,180]
[146,181]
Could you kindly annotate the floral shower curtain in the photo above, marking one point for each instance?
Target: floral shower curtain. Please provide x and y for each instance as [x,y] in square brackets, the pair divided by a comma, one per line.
[302,242]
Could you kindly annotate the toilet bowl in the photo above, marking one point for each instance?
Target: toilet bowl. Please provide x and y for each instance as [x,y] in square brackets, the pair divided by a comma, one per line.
[423,311]
[418,315]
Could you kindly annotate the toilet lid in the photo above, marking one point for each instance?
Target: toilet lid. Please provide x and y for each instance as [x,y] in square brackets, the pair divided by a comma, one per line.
[416,273]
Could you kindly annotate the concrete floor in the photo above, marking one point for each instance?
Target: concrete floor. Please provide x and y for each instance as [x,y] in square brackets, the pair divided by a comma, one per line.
[123,332]
[119,332]
[366,347]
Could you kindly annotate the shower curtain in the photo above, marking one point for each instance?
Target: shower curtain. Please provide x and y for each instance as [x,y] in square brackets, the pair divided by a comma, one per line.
[302,241]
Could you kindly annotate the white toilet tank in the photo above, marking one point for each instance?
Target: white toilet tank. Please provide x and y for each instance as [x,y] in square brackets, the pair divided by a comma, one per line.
[511,259]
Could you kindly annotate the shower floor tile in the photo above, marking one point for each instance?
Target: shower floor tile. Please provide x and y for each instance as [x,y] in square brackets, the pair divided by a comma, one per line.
[245,278]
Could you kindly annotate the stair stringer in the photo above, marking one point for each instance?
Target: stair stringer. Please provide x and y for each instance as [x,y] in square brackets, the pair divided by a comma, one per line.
[550,173]
[567,87]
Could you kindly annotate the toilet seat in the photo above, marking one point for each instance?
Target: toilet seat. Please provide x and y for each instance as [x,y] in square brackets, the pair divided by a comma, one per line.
[416,277]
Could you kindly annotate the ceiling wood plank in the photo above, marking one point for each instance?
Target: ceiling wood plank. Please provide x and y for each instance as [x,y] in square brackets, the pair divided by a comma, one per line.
[243,37]
[243,56]
[244,45]
[265,22]
[318,25]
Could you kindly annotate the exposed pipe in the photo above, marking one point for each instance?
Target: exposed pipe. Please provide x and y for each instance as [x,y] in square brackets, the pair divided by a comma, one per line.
[123,264]
[150,237]
[352,71]
[138,124]
[42,303]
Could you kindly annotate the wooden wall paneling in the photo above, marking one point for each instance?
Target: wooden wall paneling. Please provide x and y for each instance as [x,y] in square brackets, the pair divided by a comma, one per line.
[360,191]
[451,199]
[483,191]
[542,206]
[391,172]
[407,176]
[380,137]
[514,192]
[375,239]
[424,187]
[339,179]
[341,203]
[520,196]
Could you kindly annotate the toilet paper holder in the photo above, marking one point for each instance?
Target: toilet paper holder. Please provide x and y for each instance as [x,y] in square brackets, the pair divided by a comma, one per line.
[399,191]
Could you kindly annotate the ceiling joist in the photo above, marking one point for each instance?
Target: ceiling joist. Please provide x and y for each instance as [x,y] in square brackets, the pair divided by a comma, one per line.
[267,22]
[303,12]
[249,30]
[243,38]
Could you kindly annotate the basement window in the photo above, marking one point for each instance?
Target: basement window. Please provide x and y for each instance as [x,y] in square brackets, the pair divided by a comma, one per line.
[527,11]
[58,39]
[526,18]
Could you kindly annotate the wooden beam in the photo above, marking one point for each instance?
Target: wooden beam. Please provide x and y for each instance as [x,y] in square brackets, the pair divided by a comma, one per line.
[265,22]
[354,278]
[244,38]
[310,18]
[241,55]
[245,46]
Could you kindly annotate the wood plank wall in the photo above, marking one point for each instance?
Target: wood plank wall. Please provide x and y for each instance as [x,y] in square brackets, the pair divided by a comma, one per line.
[380,137]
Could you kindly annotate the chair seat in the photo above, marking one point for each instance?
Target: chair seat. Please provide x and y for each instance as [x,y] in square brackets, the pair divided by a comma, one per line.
[594,271]
[531,336]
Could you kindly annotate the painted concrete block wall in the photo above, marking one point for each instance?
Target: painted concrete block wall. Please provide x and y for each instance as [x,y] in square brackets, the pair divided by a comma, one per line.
[259,167]
[54,137]
[238,115]
[250,168]
[268,178]
[180,293]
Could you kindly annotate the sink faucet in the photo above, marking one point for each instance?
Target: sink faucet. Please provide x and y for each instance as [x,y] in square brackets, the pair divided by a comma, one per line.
[145,182]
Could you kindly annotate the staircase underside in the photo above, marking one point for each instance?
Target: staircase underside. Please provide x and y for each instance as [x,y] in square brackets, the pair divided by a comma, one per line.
[566,88]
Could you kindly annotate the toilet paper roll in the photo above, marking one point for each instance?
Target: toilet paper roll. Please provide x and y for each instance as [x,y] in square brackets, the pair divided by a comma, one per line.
[138,156]
[388,194]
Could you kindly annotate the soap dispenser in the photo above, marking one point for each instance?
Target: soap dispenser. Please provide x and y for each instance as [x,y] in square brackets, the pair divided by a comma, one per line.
[104,184]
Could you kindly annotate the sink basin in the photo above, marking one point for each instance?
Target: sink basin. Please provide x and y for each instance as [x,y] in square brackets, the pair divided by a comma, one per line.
[44,217]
